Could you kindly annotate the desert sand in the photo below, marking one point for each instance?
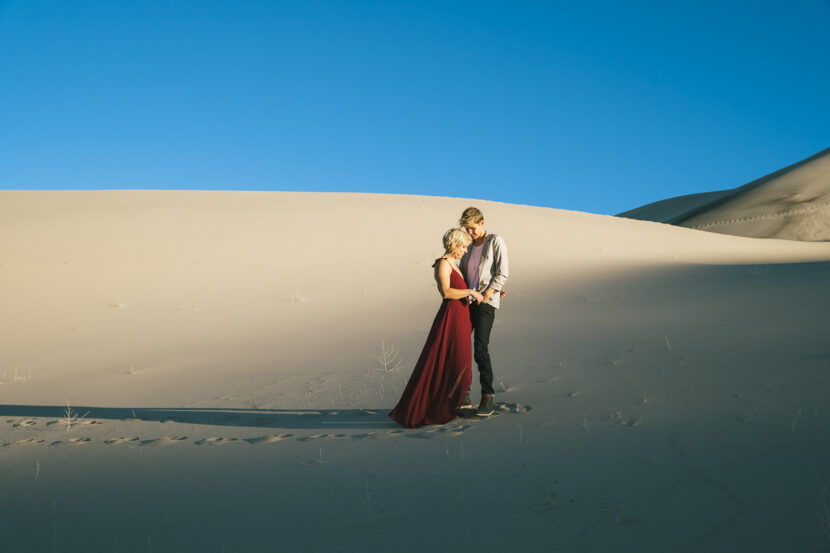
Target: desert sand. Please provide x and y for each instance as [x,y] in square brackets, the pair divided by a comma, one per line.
[792,204]
[211,372]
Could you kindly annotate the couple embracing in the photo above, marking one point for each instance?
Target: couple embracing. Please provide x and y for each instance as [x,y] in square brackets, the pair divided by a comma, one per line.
[470,277]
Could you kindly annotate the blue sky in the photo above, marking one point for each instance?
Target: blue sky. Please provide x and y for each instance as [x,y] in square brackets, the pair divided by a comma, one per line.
[594,106]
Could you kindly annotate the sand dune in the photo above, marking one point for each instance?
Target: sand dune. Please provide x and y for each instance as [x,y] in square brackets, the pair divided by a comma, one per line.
[199,371]
[792,203]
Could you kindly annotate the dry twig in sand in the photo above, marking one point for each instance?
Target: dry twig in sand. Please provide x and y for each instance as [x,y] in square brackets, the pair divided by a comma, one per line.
[388,358]
[70,416]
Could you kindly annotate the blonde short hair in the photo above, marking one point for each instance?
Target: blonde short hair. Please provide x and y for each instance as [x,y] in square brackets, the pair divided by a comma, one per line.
[471,216]
[456,238]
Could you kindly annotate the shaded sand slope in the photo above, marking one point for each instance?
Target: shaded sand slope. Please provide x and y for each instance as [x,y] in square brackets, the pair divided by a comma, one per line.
[660,388]
[791,204]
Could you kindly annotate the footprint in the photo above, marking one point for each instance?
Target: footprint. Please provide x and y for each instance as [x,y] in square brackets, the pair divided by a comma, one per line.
[81,422]
[425,435]
[268,439]
[120,440]
[72,441]
[378,435]
[27,422]
[421,435]
[166,440]
[519,408]
[215,441]
[440,432]
[27,441]
[453,432]
[315,437]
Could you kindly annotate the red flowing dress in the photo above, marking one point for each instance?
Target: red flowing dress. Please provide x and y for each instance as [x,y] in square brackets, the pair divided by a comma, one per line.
[443,374]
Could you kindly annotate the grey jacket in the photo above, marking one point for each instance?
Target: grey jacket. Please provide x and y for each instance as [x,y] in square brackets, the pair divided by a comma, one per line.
[493,270]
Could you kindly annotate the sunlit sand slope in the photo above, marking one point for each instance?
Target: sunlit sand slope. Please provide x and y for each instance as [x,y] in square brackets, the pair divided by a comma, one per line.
[791,204]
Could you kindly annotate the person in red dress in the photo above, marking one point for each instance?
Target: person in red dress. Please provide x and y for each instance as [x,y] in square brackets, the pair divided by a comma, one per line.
[443,374]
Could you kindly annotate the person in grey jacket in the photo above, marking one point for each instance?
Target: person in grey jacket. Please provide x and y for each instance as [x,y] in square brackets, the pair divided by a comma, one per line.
[485,268]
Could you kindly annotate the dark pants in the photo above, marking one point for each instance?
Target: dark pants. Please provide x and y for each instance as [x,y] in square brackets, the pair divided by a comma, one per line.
[482,317]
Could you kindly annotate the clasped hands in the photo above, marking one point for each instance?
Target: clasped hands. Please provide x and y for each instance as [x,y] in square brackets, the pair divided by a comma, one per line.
[485,297]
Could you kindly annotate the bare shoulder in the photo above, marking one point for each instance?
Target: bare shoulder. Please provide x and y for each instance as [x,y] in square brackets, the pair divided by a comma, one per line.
[442,267]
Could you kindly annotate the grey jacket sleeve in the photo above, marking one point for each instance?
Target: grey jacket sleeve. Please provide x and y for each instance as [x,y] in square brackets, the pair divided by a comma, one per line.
[500,270]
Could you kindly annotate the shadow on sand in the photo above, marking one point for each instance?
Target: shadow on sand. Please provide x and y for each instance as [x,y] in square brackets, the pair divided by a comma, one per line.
[257,418]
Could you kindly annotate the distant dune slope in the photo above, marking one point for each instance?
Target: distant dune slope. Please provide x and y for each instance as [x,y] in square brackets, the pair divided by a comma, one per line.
[792,204]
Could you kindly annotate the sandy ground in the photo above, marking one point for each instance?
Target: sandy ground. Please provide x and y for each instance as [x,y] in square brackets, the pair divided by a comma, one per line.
[791,204]
[660,388]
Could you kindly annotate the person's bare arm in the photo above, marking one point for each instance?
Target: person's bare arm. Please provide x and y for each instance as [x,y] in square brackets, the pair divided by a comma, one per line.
[442,278]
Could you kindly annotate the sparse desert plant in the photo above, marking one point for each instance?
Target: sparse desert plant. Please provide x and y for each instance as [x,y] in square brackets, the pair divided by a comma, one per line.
[297,298]
[70,416]
[625,520]
[18,378]
[388,358]
[551,501]
[797,416]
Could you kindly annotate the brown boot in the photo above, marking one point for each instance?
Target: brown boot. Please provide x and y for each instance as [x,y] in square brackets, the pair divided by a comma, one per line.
[487,406]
